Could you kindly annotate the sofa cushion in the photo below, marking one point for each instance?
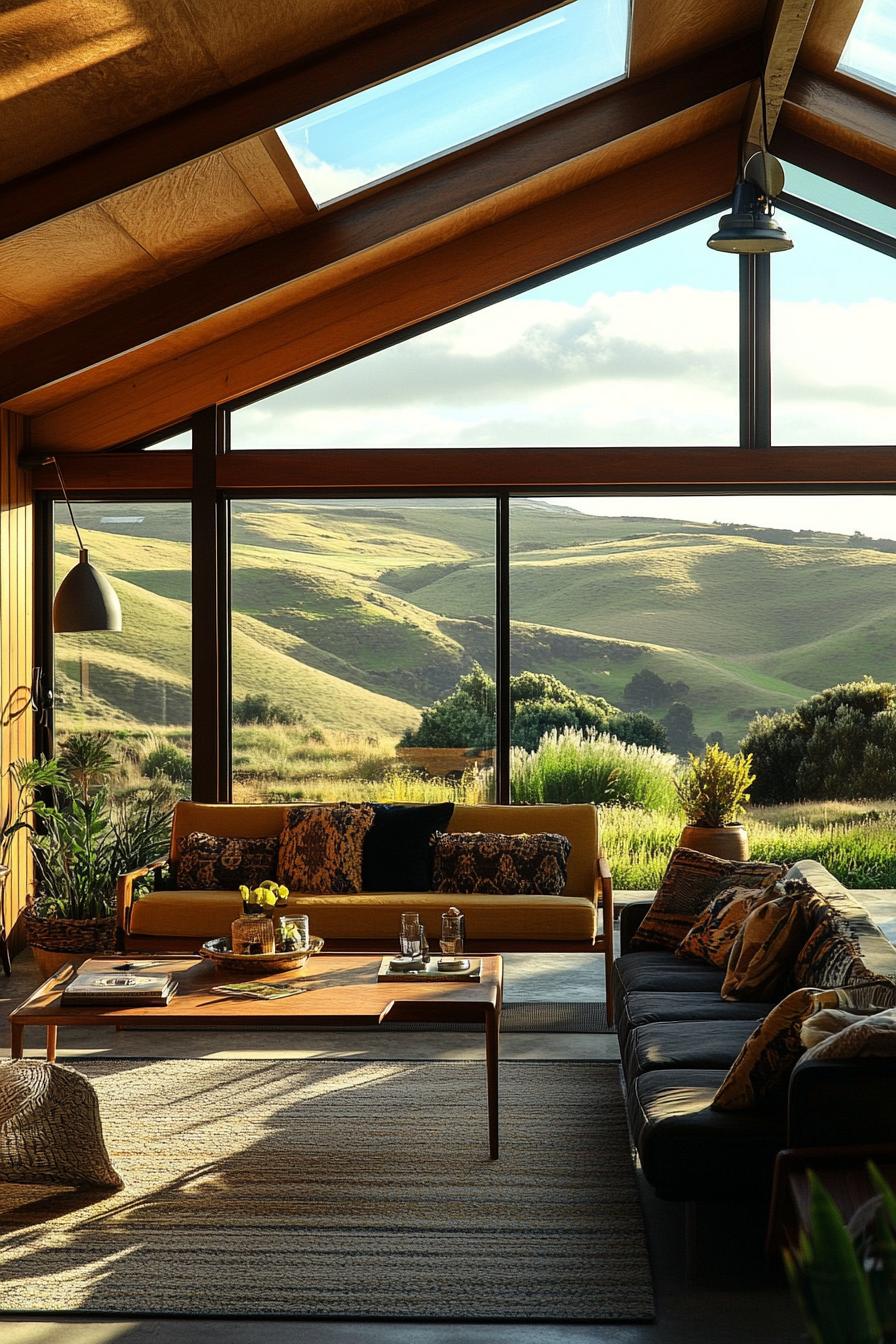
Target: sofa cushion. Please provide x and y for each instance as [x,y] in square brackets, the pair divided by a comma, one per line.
[397,848]
[689,1151]
[679,1045]
[222,862]
[715,932]
[638,1009]
[661,970]
[765,951]
[691,881]
[374,915]
[500,865]
[321,848]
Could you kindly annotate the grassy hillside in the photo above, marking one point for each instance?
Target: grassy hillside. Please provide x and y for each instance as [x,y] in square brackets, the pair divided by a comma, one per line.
[358,614]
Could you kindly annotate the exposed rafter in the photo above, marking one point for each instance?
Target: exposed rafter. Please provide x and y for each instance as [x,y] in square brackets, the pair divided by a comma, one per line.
[785,27]
[446,188]
[226,118]
[396,298]
[843,117]
[837,167]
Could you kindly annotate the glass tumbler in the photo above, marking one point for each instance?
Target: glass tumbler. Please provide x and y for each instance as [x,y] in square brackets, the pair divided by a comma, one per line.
[452,939]
[411,935]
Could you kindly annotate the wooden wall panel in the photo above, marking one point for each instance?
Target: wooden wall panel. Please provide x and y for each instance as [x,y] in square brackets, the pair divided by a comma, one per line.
[16,720]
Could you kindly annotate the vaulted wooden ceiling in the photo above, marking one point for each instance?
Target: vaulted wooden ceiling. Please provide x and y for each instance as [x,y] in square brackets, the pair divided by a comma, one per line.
[159,251]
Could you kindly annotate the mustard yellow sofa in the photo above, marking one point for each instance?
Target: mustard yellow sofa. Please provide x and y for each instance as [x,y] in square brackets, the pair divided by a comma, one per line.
[581,919]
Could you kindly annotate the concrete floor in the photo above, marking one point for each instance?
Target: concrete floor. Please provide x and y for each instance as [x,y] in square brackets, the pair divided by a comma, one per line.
[726,1298]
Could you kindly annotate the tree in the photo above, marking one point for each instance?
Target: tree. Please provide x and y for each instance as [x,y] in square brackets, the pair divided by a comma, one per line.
[638,729]
[646,691]
[840,743]
[679,725]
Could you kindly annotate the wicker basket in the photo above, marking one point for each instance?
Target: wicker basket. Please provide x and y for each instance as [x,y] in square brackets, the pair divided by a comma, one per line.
[70,935]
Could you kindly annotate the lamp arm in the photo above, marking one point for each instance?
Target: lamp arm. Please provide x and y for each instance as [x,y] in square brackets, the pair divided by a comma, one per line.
[68,502]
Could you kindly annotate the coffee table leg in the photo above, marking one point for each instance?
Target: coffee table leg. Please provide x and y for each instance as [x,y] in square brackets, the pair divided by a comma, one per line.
[492,1027]
[51,1045]
[16,1040]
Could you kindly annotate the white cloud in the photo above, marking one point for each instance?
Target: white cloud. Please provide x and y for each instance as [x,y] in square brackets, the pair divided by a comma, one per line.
[652,368]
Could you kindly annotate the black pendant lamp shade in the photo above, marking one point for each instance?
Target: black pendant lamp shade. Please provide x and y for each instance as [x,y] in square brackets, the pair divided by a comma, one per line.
[750,227]
[85,599]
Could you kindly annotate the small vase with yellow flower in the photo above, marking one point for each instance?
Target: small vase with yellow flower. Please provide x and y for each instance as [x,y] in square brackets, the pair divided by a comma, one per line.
[254,931]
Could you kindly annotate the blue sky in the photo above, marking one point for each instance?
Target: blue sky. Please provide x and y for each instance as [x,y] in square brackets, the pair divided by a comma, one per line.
[870,51]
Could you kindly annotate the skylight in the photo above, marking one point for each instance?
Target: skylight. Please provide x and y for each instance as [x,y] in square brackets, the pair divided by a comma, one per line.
[870,52]
[472,93]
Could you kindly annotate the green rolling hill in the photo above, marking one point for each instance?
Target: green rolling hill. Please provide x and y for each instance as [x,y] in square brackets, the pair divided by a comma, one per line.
[357,615]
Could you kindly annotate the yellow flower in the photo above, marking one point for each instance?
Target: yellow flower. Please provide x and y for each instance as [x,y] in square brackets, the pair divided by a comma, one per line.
[244,892]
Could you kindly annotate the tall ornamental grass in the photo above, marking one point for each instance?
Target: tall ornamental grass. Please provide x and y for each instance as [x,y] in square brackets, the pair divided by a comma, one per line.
[575,767]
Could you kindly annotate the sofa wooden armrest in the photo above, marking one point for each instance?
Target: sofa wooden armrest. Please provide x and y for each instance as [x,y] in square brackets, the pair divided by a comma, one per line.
[124,892]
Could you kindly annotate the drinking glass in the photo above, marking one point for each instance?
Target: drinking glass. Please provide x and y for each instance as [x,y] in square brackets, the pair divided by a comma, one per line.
[452,939]
[411,935]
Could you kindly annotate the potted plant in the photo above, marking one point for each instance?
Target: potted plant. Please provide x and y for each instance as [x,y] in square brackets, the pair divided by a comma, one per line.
[81,839]
[713,790]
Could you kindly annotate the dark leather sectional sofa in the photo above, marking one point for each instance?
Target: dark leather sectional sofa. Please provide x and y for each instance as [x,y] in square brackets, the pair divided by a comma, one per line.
[678,1038]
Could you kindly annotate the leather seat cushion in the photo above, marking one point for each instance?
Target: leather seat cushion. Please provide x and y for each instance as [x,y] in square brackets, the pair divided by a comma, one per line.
[638,971]
[690,1152]
[374,915]
[685,1045]
[640,1009]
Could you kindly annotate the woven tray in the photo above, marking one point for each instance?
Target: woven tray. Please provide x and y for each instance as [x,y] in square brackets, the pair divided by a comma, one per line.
[257,962]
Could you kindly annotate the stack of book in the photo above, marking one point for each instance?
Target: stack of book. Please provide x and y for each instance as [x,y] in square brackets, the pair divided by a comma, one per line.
[119,988]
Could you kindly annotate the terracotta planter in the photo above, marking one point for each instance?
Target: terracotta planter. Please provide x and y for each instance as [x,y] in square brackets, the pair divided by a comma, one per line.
[724,842]
[48,963]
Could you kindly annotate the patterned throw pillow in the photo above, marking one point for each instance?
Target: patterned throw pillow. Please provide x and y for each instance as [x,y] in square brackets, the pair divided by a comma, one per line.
[712,937]
[691,881]
[321,848]
[50,1130]
[224,862]
[761,1071]
[501,865]
[762,959]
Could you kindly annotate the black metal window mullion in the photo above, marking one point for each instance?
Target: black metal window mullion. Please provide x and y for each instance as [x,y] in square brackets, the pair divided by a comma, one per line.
[755,351]
[210,561]
[502,649]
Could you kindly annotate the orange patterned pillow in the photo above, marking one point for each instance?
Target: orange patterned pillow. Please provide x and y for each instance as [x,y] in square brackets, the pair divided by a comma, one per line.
[321,848]
[713,936]
[765,950]
[761,1071]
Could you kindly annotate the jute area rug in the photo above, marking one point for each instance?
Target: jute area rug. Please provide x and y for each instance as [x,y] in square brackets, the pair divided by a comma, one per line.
[342,1189]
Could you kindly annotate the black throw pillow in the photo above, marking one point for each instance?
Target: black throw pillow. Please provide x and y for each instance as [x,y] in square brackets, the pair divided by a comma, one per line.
[397,850]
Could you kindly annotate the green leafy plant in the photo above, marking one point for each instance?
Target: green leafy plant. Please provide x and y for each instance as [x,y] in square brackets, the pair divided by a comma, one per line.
[846,1285]
[81,837]
[714,788]
[168,762]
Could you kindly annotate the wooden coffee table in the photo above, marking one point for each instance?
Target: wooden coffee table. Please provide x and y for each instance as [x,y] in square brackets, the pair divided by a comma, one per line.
[339,991]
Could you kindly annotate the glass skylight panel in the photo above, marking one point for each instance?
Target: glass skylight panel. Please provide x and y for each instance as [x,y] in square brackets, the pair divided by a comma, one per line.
[870,51]
[472,93]
[842,200]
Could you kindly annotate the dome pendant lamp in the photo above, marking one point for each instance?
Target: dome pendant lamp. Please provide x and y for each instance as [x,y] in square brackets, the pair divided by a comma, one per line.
[86,599]
[751,226]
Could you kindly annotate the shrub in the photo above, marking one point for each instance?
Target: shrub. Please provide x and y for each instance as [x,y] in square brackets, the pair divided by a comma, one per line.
[838,744]
[170,763]
[714,788]
[540,704]
[639,729]
[262,709]
[576,767]
[679,725]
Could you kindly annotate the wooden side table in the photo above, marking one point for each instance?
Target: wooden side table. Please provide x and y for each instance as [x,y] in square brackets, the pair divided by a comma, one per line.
[844,1173]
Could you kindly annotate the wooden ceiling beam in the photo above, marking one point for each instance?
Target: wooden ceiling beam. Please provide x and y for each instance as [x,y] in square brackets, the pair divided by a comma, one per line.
[257,105]
[411,204]
[396,298]
[861,123]
[458,469]
[836,166]
[784,29]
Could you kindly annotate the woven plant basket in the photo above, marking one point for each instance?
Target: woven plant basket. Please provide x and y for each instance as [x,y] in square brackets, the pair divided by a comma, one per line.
[70,935]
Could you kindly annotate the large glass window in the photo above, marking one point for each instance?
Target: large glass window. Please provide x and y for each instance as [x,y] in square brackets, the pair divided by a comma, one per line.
[640,348]
[133,686]
[349,620]
[833,318]
[461,97]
